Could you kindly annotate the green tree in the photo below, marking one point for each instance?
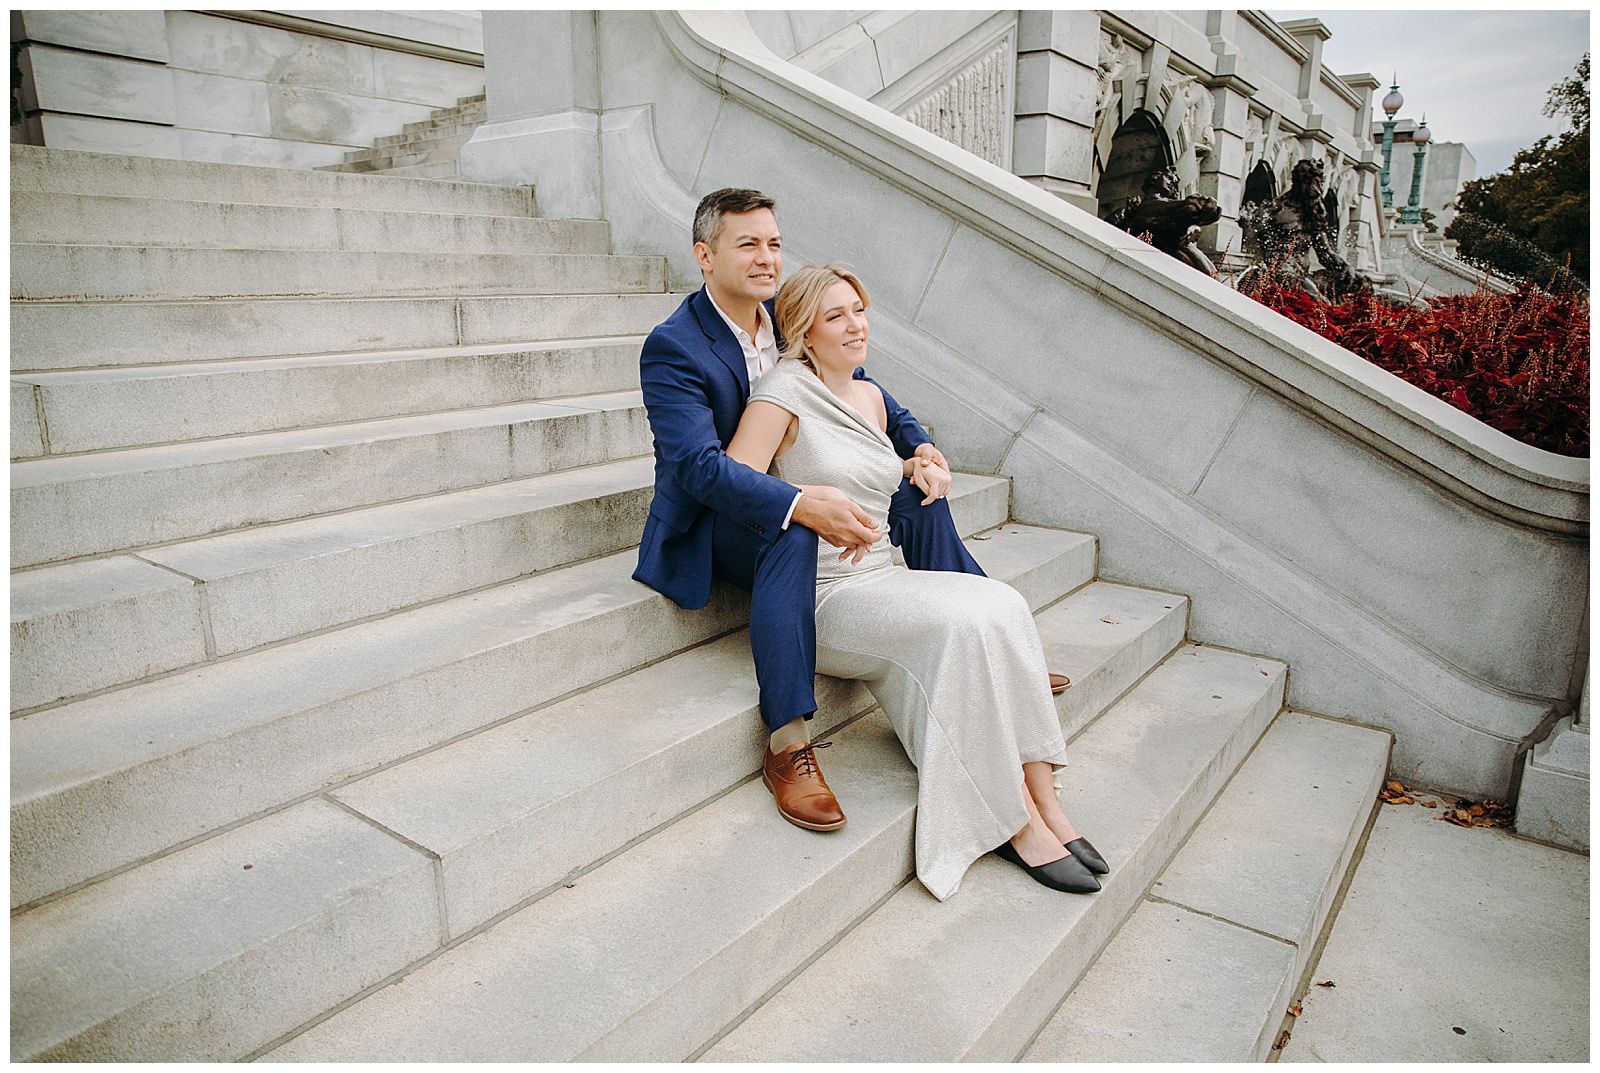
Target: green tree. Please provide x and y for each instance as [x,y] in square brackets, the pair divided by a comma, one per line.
[1542,199]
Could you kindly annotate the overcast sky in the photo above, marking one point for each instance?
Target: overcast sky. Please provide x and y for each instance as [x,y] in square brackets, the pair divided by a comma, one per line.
[1480,76]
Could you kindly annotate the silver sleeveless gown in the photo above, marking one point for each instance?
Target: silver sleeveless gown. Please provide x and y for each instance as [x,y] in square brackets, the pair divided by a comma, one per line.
[953,659]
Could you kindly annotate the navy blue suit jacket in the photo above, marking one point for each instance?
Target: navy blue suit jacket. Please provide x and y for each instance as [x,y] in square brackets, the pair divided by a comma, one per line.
[695,384]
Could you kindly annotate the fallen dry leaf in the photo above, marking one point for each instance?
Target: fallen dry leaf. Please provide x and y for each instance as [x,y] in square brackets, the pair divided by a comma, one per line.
[1395,793]
[1430,804]
[1283,1041]
[1264,674]
[1486,813]
[1295,1009]
[1326,983]
[1108,618]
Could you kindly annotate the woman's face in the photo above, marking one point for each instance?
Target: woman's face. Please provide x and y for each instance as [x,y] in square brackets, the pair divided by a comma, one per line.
[838,337]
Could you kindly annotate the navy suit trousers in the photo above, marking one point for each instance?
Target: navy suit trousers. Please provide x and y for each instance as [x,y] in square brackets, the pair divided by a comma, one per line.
[781,577]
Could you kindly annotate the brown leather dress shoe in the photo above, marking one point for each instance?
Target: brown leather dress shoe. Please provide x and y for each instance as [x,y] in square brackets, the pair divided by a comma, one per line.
[802,793]
[1059,682]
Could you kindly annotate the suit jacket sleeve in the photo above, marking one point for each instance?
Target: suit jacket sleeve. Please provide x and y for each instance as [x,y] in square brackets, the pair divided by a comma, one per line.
[677,400]
[905,431]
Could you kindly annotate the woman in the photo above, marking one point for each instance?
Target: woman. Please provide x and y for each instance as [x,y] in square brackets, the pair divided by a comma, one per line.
[954,659]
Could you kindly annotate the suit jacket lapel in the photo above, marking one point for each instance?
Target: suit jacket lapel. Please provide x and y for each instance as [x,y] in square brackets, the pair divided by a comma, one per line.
[723,344]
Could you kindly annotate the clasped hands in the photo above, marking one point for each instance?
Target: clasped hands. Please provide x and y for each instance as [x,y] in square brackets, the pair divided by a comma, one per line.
[927,469]
[839,520]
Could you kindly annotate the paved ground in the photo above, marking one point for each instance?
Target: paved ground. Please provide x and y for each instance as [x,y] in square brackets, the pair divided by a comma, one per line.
[1453,945]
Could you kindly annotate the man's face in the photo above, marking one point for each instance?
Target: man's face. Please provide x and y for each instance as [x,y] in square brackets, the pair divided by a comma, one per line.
[747,261]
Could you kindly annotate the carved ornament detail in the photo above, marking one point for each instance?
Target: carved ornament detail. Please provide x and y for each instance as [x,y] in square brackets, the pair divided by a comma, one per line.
[1198,109]
[1116,56]
[972,109]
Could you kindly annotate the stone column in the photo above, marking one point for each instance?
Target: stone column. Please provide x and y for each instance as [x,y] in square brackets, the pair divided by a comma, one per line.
[542,131]
[1222,171]
[1053,140]
[1367,257]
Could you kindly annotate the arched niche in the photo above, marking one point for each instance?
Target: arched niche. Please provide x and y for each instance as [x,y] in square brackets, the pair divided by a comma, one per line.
[1260,185]
[1138,148]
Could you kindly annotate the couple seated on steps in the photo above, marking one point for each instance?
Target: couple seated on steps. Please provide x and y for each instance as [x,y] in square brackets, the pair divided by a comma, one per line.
[782,468]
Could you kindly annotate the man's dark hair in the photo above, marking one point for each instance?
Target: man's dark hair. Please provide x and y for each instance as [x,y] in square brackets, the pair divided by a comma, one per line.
[715,205]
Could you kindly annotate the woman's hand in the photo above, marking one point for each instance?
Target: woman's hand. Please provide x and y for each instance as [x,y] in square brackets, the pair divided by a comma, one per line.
[837,519]
[929,472]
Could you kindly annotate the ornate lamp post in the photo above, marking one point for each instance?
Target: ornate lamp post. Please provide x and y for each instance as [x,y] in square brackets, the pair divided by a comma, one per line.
[1391,105]
[1412,213]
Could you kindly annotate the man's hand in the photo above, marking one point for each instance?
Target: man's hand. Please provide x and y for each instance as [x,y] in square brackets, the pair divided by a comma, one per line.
[930,472]
[837,519]
[932,454]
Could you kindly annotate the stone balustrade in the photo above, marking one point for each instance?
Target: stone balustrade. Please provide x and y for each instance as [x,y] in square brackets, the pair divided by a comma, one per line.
[1416,568]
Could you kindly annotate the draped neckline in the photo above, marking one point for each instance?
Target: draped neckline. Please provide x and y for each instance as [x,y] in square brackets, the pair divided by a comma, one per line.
[815,384]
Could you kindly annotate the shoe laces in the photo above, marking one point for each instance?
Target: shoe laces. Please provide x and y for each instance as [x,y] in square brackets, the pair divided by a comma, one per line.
[804,760]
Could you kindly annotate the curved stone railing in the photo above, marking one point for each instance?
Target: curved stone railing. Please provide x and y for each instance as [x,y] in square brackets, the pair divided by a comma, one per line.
[1419,570]
[1433,272]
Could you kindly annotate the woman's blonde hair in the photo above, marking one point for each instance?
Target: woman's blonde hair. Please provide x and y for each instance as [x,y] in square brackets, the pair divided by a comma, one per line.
[799,301]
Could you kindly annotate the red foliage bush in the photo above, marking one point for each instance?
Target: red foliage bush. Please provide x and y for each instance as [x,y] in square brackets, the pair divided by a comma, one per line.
[1517,362]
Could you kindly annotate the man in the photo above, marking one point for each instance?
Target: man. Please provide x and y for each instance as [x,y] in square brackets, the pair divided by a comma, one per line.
[714,517]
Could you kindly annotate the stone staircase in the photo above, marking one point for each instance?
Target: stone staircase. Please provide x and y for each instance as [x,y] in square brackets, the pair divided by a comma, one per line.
[340,731]
[428,149]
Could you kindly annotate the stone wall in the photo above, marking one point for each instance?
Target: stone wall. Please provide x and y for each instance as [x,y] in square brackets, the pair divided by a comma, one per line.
[1416,569]
[1043,94]
[284,89]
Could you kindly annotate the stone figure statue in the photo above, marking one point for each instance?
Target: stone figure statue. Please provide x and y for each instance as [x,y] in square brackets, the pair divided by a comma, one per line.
[1114,57]
[1172,223]
[1295,225]
[1198,109]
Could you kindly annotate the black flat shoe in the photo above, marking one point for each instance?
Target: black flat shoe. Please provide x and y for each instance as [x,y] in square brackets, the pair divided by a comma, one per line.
[1081,849]
[1068,874]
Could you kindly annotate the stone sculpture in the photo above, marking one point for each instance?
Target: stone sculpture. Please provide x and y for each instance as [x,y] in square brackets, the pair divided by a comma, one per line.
[1115,57]
[1172,223]
[1296,224]
[1195,100]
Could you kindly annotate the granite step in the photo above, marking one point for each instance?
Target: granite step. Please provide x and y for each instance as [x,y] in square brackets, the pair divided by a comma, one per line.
[327,869]
[749,899]
[992,964]
[106,781]
[460,115]
[515,809]
[88,626]
[441,170]
[41,272]
[92,504]
[49,336]
[472,112]
[1243,901]
[35,168]
[129,406]
[435,142]
[102,220]
[459,124]
[84,627]
[124,774]
[216,947]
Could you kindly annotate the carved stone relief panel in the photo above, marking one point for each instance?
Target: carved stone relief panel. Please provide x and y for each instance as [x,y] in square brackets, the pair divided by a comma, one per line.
[1252,142]
[1282,156]
[973,108]
[1194,104]
[1115,59]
